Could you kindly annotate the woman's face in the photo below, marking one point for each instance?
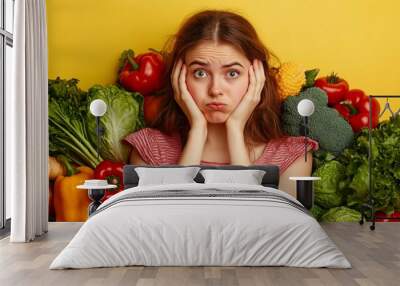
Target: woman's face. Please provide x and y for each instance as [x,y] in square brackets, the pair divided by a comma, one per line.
[217,78]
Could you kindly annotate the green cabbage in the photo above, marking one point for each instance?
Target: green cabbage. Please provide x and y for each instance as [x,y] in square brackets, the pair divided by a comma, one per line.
[326,190]
[341,214]
[124,115]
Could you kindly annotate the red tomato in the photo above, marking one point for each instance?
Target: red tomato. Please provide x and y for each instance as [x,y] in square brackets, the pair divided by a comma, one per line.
[334,86]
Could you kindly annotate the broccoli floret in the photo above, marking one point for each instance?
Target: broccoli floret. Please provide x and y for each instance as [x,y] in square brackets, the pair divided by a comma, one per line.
[326,125]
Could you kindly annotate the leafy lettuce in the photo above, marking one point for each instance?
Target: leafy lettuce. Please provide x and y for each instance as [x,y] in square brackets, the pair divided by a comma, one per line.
[385,167]
[124,115]
[327,192]
[341,214]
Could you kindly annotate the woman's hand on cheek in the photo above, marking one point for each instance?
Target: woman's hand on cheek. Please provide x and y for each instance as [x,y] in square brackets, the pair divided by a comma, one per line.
[238,118]
[183,97]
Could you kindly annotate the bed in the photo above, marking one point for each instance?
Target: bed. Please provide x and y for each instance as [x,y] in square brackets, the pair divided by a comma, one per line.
[201,224]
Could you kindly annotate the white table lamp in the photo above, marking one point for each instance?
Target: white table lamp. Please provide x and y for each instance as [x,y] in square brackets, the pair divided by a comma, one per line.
[305,108]
[98,108]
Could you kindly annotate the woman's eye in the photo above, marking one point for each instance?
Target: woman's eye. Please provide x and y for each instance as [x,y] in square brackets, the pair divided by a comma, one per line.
[233,74]
[199,73]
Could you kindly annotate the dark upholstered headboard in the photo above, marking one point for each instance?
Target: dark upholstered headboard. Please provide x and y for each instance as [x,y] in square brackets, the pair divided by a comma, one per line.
[270,179]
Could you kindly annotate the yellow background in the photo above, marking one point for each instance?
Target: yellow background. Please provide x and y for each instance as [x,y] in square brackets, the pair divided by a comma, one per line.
[358,39]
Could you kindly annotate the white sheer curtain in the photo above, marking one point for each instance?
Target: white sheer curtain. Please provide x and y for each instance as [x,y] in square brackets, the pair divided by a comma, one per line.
[26,124]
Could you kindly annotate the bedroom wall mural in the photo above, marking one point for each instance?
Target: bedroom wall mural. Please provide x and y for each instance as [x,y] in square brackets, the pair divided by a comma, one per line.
[104,55]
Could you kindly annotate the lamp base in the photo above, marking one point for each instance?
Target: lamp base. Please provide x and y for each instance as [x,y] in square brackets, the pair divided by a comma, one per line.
[305,190]
[95,195]
[305,193]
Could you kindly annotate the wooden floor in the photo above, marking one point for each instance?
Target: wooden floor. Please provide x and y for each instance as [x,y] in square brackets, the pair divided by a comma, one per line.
[375,257]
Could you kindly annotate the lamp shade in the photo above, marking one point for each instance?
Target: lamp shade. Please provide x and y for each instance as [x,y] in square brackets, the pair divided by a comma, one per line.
[305,107]
[98,107]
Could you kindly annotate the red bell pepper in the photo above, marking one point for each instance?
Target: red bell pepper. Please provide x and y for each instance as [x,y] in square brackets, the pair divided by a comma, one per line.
[143,73]
[334,86]
[355,109]
[113,173]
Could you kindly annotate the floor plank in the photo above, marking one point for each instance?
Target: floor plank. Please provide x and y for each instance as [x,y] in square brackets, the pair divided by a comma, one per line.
[374,255]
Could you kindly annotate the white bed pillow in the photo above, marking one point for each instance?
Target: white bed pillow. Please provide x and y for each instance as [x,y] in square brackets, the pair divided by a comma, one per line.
[163,176]
[249,177]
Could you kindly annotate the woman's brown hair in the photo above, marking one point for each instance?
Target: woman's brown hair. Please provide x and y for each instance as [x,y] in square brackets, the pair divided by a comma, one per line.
[225,27]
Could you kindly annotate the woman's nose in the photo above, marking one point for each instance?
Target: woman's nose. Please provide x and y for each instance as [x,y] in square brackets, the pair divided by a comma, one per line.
[215,87]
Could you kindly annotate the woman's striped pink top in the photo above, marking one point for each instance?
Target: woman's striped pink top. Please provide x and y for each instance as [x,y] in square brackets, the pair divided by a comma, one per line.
[157,148]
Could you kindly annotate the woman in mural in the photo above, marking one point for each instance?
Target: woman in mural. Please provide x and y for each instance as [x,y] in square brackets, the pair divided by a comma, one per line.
[224,107]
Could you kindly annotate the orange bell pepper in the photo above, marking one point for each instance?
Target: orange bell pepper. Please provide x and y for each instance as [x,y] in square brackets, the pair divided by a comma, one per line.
[70,203]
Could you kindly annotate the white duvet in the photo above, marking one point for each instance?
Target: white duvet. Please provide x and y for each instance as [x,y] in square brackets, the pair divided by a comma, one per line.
[182,231]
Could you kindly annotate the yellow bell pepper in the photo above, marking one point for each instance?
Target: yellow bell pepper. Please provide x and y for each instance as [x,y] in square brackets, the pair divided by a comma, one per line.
[70,203]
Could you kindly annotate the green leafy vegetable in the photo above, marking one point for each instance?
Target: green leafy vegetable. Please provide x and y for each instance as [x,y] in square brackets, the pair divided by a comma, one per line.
[385,167]
[67,130]
[341,214]
[320,157]
[317,212]
[310,78]
[124,115]
[326,190]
